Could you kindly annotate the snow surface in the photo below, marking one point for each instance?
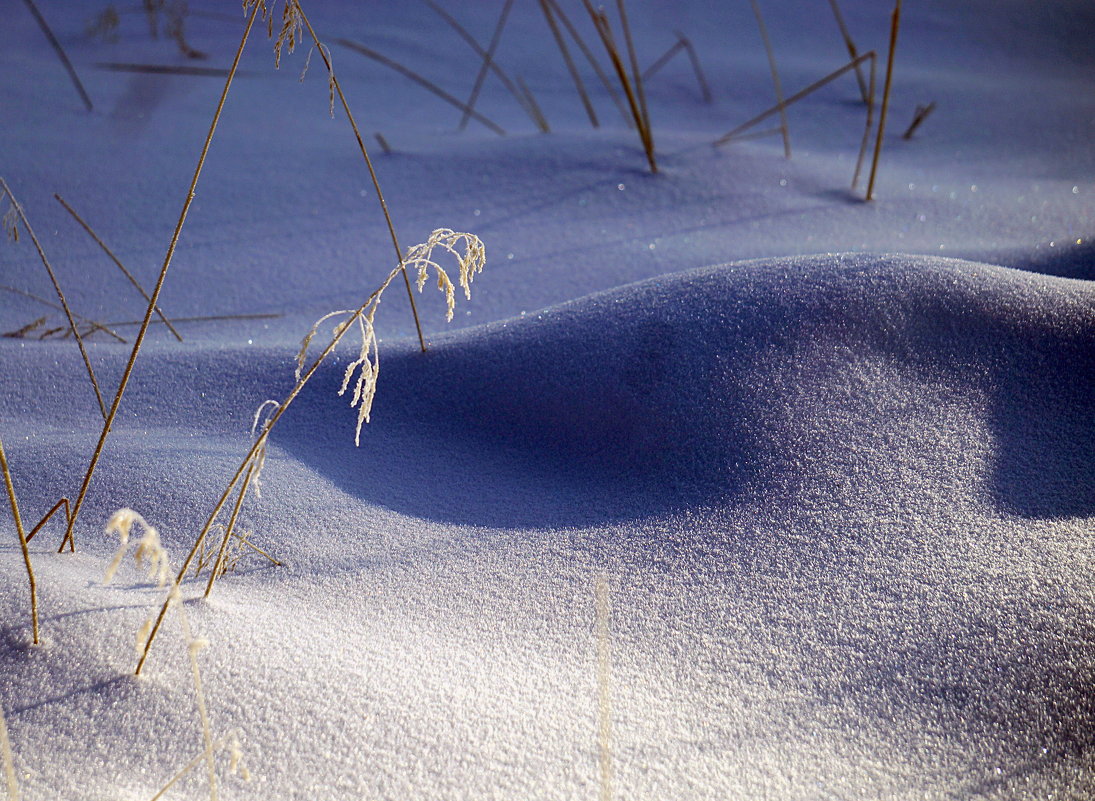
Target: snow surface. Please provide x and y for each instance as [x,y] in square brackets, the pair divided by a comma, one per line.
[834,459]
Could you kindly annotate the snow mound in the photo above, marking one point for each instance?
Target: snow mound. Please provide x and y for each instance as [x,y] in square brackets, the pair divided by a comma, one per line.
[841,377]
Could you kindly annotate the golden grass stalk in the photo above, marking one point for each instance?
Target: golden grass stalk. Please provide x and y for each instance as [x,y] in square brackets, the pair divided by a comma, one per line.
[159,282]
[832,76]
[117,262]
[334,84]
[22,541]
[63,503]
[921,114]
[853,53]
[229,529]
[604,30]
[780,104]
[61,295]
[604,689]
[488,60]
[864,143]
[580,42]
[560,42]
[425,83]
[97,326]
[895,24]
[420,256]
[60,51]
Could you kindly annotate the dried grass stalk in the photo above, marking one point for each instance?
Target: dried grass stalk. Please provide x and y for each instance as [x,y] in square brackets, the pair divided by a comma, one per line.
[921,114]
[470,262]
[22,542]
[60,294]
[117,262]
[60,51]
[565,51]
[853,52]
[781,105]
[797,96]
[69,539]
[895,24]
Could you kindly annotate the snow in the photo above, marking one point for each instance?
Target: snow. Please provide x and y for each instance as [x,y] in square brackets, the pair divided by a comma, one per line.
[832,458]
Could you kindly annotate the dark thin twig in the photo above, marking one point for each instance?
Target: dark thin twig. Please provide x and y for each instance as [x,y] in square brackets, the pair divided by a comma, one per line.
[537,114]
[705,89]
[578,40]
[574,75]
[425,83]
[895,23]
[832,76]
[97,326]
[852,51]
[207,318]
[493,65]
[781,105]
[116,261]
[863,145]
[922,113]
[60,295]
[488,60]
[60,52]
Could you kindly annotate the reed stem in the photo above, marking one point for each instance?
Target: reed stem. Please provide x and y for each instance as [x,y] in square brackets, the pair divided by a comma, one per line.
[22,541]
[895,24]
[69,538]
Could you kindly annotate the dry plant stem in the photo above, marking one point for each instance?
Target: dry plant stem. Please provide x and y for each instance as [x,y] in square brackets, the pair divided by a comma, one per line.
[578,40]
[537,114]
[425,83]
[600,22]
[372,173]
[705,89]
[260,441]
[781,104]
[488,60]
[61,503]
[60,52]
[60,295]
[604,690]
[832,76]
[664,59]
[189,766]
[22,541]
[497,70]
[852,51]
[230,528]
[863,145]
[636,75]
[159,285]
[9,761]
[758,134]
[97,326]
[561,43]
[192,648]
[116,260]
[922,113]
[895,23]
